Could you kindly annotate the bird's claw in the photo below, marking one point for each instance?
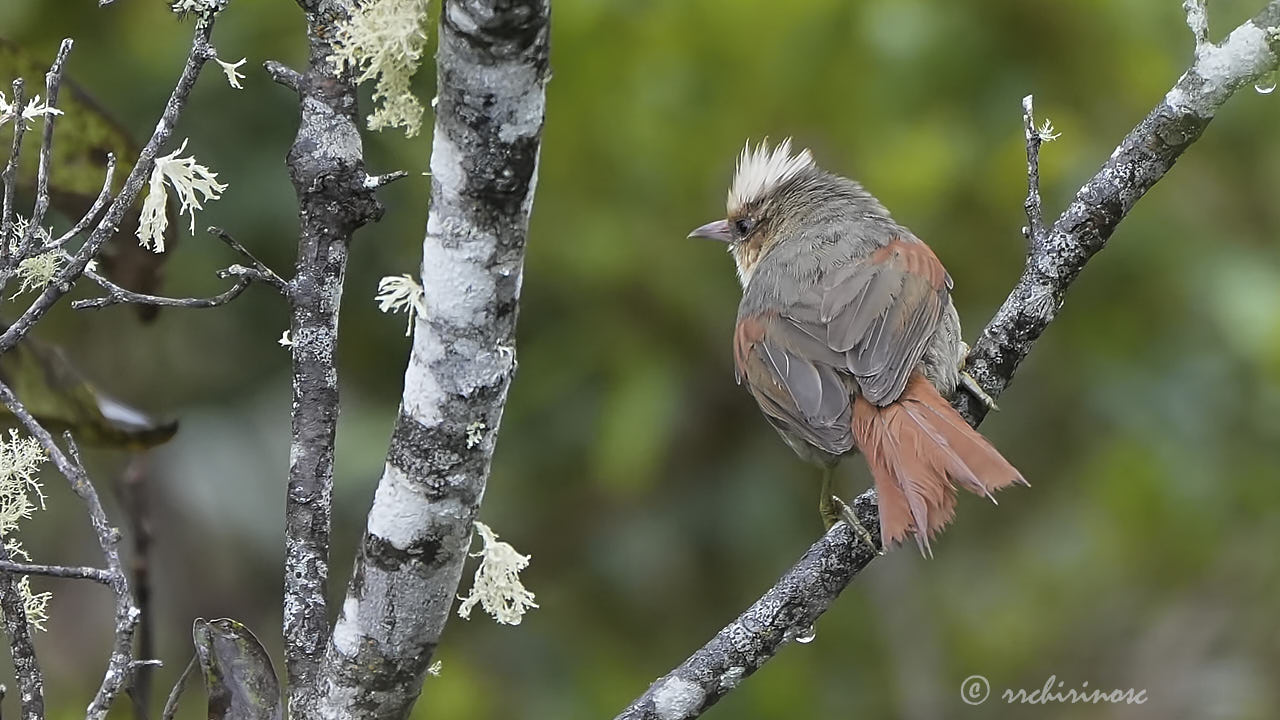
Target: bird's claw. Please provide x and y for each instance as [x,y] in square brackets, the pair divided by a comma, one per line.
[845,513]
[967,381]
[970,384]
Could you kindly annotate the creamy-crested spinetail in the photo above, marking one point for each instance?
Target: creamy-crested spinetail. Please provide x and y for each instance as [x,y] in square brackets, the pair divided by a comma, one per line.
[847,339]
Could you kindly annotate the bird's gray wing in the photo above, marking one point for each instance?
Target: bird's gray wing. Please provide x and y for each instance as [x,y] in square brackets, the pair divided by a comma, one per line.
[879,313]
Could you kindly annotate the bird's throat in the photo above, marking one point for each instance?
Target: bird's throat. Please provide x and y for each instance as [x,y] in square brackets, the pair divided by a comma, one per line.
[746,255]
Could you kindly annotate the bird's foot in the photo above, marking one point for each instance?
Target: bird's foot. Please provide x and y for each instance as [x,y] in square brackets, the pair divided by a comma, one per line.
[834,510]
[968,383]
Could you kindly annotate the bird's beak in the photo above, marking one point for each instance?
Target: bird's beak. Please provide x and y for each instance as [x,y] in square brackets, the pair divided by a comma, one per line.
[718,230]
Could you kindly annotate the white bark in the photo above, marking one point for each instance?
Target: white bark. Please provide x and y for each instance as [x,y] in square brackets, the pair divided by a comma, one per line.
[492,67]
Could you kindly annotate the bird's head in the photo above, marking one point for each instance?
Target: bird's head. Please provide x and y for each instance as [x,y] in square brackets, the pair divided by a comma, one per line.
[772,189]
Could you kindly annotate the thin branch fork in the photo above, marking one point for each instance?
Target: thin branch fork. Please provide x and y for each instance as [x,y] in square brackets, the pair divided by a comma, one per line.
[120,664]
[91,215]
[1144,156]
[117,295]
[245,276]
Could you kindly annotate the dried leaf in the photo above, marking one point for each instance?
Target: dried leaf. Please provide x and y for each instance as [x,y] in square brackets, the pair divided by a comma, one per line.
[61,399]
[238,677]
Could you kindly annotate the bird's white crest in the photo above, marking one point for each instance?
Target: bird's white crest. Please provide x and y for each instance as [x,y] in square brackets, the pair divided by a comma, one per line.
[763,169]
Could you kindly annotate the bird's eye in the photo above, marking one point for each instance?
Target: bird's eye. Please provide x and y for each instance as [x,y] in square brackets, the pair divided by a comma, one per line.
[743,226]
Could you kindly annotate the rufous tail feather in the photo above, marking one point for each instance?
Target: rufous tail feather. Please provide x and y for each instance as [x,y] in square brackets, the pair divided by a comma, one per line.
[919,450]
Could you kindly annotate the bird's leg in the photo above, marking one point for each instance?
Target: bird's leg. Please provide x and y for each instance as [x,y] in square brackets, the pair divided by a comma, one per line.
[833,510]
[968,383]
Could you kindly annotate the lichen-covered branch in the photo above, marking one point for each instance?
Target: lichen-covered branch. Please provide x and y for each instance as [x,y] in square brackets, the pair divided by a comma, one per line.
[120,663]
[326,165]
[1034,231]
[492,68]
[1142,158]
[61,284]
[26,667]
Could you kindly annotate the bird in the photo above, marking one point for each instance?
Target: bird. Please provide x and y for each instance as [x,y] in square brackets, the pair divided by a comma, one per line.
[847,338]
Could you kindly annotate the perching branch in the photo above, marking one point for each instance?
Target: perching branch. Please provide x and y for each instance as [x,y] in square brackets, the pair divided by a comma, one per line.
[120,664]
[492,69]
[1142,158]
[326,165]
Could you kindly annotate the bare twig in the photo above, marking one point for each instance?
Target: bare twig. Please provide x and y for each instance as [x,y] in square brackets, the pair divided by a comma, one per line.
[492,68]
[373,182]
[53,82]
[10,178]
[135,500]
[268,275]
[68,572]
[1141,159]
[117,295]
[26,668]
[91,216]
[1198,21]
[171,703]
[283,75]
[1034,231]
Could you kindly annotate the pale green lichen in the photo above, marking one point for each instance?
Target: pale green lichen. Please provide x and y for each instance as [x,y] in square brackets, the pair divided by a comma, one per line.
[401,293]
[475,433]
[383,41]
[33,272]
[20,496]
[230,70]
[32,110]
[197,6]
[190,180]
[37,272]
[497,587]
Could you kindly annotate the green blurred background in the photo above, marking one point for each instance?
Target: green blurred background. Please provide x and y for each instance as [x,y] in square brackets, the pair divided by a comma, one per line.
[654,499]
